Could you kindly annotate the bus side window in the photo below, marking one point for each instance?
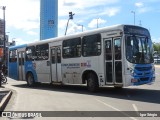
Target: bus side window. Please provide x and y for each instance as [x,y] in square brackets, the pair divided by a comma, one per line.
[108,50]
[42,52]
[30,53]
[91,45]
[72,48]
[13,56]
[117,48]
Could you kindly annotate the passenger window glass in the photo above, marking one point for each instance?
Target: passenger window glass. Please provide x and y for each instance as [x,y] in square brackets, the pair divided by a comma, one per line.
[30,53]
[13,56]
[72,48]
[117,48]
[91,45]
[42,52]
[108,50]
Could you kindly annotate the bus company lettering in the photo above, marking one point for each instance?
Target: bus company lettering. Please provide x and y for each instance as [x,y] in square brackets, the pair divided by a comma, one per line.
[71,65]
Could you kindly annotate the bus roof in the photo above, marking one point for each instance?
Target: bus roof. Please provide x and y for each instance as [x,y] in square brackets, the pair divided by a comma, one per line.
[17,46]
[99,30]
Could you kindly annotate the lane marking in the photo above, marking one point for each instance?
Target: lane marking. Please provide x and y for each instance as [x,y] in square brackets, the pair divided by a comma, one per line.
[115,109]
[135,107]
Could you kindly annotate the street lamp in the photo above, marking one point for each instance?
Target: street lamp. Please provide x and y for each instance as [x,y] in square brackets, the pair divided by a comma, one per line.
[4,35]
[134,15]
[97,22]
[81,26]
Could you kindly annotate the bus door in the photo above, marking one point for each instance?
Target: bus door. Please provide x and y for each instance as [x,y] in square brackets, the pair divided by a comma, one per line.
[21,72]
[56,75]
[113,61]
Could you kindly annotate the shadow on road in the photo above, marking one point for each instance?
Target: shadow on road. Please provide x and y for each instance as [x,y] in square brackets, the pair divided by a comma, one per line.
[134,94]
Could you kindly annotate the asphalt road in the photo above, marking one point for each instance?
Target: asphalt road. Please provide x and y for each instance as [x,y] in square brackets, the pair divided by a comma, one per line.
[46,97]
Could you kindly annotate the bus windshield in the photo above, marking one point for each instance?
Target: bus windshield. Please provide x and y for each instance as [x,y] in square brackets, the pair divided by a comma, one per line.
[139,50]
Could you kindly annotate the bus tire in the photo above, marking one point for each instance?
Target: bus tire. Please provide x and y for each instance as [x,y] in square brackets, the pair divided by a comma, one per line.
[30,80]
[92,82]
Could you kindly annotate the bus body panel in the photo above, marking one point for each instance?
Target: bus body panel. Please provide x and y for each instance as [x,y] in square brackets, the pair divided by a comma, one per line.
[13,62]
[13,70]
[30,68]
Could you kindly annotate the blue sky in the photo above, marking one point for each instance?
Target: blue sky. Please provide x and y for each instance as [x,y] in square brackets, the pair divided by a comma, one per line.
[22,16]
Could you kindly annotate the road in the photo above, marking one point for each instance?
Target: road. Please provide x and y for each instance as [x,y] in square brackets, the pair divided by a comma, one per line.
[46,97]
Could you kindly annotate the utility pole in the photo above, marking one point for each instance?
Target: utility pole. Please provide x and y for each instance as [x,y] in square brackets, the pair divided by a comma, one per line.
[4,35]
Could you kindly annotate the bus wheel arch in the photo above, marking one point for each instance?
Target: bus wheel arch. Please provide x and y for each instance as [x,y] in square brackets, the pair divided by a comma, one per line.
[91,78]
[30,79]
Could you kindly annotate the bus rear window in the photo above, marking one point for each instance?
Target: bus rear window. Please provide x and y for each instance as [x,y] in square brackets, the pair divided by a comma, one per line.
[91,45]
[13,56]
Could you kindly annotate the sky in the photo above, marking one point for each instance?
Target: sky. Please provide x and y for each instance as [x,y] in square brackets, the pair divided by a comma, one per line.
[23,16]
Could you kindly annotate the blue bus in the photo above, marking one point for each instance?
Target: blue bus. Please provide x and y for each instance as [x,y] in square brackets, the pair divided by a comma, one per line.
[118,56]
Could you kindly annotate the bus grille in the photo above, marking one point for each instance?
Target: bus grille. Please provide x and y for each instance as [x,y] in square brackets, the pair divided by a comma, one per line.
[143,68]
[144,79]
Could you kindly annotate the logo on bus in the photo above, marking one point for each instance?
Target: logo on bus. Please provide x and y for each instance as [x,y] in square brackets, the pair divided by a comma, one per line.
[87,64]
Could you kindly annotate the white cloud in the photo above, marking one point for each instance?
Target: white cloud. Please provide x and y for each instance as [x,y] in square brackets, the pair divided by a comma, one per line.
[21,41]
[139,4]
[144,9]
[22,14]
[94,23]
[111,11]
[80,6]
[141,8]
[32,33]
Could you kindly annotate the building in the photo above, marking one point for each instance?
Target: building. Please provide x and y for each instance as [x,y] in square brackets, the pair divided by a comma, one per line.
[48,19]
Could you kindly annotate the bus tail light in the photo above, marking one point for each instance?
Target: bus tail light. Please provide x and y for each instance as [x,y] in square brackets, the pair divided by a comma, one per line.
[133,80]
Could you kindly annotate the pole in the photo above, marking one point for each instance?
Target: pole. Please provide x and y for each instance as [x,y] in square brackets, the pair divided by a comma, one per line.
[82,28]
[4,36]
[97,22]
[134,16]
[67,26]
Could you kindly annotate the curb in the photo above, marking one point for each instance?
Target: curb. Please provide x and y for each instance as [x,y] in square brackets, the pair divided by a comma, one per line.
[5,100]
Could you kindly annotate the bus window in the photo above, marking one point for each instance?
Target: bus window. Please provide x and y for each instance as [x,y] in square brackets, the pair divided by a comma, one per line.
[58,55]
[108,48]
[91,45]
[13,56]
[72,48]
[117,48]
[30,53]
[42,52]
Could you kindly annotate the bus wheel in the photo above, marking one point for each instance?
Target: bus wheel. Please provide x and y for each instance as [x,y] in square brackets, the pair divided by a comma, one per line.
[30,79]
[92,82]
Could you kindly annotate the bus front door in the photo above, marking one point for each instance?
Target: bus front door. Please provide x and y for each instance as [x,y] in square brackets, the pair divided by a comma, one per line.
[21,74]
[113,61]
[56,64]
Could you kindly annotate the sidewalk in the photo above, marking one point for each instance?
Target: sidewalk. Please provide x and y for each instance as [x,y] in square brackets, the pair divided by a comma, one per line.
[157,65]
[5,95]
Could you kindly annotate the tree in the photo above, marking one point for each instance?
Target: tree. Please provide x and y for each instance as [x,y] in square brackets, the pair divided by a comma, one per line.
[156,47]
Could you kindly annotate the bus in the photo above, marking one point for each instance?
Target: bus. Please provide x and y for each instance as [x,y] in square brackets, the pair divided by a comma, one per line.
[118,56]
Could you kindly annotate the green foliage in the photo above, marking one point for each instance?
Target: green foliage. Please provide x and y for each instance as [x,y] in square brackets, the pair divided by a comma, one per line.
[156,47]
